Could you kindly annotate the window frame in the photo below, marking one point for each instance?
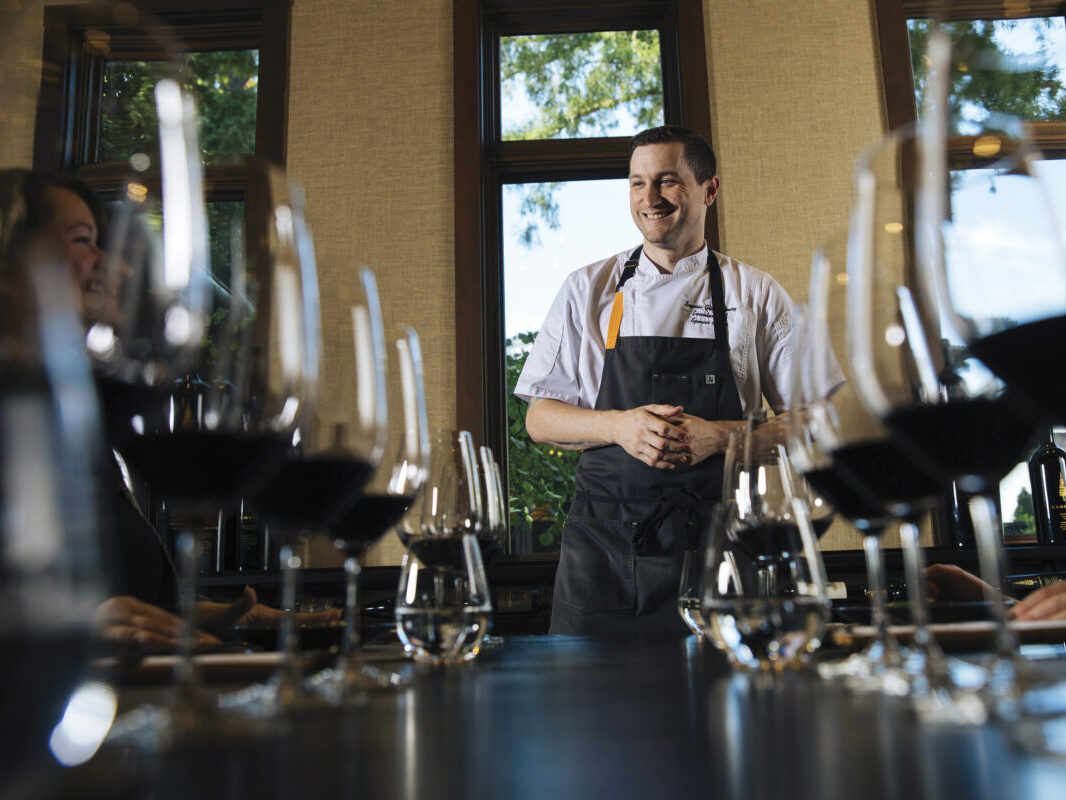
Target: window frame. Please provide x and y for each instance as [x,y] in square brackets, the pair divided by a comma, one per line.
[898,81]
[67,126]
[484,163]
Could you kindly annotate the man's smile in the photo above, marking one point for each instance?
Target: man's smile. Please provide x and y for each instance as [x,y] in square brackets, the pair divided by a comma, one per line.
[659,214]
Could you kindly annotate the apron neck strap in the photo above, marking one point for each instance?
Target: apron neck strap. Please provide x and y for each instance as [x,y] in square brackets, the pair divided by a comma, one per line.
[629,269]
[721,330]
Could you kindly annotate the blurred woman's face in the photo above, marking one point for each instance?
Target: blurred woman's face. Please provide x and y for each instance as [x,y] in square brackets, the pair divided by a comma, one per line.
[73,227]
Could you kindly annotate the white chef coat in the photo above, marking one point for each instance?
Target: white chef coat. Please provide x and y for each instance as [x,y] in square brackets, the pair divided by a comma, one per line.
[566,361]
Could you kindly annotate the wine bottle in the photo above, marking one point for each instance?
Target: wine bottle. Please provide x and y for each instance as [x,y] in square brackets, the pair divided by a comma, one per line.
[249,541]
[1047,469]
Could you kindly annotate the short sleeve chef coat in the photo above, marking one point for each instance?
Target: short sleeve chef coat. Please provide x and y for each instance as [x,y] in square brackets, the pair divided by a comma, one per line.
[567,357]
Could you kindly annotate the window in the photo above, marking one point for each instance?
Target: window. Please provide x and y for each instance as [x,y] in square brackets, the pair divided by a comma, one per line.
[541,154]
[987,36]
[1032,34]
[96,109]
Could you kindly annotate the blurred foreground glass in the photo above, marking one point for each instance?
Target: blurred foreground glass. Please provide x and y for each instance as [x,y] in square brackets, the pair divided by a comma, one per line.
[51,457]
[764,599]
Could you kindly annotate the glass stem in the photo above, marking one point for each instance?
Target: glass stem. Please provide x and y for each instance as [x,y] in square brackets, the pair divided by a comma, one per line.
[351,607]
[187,567]
[992,560]
[290,564]
[914,569]
[875,571]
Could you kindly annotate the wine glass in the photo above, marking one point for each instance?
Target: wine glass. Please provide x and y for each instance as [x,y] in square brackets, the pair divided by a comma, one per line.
[830,438]
[443,604]
[764,596]
[914,370]
[334,454]
[51,573]
[891,478]
[389,495]
[492,533]
[147,305]
[225,431]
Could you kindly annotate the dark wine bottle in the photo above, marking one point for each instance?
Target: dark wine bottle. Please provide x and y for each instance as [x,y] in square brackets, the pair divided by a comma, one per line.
[249,545]
[1047,470]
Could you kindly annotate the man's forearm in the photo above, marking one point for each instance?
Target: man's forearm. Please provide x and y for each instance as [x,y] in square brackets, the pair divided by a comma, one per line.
[567,426]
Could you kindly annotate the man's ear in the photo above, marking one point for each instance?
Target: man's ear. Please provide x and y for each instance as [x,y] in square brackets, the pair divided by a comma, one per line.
[712,191]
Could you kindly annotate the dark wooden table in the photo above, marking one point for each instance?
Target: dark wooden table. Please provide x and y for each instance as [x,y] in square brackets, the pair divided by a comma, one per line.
[565,717]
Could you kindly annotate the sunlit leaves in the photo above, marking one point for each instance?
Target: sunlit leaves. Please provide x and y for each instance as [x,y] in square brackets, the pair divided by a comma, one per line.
[579,82]
[988,77]
[223,83]
[605,83]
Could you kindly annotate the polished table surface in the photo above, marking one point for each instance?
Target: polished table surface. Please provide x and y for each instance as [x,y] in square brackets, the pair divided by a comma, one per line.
[568,717]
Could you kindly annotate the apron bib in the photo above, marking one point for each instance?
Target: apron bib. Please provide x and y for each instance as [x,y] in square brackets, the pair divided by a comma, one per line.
[630,524]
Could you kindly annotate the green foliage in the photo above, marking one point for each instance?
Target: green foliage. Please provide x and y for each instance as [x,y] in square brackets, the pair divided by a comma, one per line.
[986,78]
[224,84]
[581,84]
[1023,512]
[541,476]
[579,81]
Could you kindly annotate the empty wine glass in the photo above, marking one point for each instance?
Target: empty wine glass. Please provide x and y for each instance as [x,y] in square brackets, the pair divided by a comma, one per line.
[492,534]
[764,596]
[51,452]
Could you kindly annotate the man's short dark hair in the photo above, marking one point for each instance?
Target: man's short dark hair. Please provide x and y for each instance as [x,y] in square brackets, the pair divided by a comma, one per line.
[698,153]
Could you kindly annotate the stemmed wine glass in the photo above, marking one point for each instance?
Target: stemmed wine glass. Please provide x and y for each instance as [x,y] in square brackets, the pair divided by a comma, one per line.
[492,533]
[227,429]
[443,604]
[389,495]
[889,477]
[51,574]
[914,371]
[334,453]
[990,273]
[764,598]
[840,450]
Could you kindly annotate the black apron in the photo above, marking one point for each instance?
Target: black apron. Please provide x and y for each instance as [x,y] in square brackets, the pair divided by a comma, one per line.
[630,524]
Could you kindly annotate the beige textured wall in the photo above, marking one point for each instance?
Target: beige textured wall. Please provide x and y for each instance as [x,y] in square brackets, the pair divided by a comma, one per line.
[370,136]
[21,37]
[795,96]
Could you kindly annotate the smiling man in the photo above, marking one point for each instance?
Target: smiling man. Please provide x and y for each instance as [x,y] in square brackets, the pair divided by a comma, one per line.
[646,361]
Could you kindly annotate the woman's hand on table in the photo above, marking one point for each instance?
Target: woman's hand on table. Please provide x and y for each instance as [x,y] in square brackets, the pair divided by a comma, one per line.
[946,583]
[1048,603]
[217,618]
[127,621]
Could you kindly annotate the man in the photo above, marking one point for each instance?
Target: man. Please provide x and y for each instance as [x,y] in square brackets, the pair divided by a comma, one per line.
[646,361]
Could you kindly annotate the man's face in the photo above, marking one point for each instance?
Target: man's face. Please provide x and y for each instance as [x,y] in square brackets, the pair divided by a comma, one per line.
[667,202]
